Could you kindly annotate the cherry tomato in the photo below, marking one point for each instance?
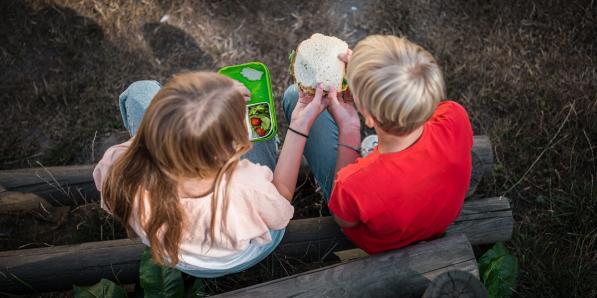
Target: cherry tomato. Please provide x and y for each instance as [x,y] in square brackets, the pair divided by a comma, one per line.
[255,121]
[260,131]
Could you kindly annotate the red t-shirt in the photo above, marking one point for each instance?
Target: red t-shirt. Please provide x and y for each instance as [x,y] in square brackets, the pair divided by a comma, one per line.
[412,195]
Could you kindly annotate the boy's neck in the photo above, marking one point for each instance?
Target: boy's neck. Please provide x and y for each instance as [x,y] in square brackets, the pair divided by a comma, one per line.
[388,143]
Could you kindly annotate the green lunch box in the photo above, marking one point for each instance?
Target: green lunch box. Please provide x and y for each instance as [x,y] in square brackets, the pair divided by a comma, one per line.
[255,76]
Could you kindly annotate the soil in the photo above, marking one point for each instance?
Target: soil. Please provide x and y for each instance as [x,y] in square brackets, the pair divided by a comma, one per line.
[526,72]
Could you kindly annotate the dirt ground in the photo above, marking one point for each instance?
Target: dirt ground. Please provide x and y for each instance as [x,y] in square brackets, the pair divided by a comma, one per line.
[525,70]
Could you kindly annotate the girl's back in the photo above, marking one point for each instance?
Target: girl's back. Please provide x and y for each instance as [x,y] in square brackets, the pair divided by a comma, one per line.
[180,183]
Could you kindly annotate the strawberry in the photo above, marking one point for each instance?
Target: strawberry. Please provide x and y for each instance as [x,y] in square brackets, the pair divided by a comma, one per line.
[255,121]
[260,131]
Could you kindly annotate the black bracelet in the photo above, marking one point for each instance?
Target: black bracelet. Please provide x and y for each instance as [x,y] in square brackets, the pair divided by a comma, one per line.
[356,149]
[298,133]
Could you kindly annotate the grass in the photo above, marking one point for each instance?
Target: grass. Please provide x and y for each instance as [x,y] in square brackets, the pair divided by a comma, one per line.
[525,71]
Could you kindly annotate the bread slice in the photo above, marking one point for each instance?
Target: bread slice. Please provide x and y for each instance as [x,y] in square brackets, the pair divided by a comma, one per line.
[316,60]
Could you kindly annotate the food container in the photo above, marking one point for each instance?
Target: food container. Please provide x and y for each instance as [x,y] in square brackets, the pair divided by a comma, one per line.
[255,76]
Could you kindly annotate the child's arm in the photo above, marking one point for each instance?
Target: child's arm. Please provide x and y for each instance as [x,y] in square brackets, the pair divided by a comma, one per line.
[345,224]
[306,111]
[349,127]
[289,162]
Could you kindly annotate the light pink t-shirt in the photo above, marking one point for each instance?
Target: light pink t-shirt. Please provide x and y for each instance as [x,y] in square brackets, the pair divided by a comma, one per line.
[255,207]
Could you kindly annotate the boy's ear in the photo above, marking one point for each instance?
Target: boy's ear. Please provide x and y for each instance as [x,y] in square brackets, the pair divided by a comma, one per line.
[369,120]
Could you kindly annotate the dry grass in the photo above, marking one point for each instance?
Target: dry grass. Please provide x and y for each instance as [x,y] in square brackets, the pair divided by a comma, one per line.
[525,70]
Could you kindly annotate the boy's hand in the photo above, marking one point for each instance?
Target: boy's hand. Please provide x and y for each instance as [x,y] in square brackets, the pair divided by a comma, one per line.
[307,109]
[345,57]
[342,109]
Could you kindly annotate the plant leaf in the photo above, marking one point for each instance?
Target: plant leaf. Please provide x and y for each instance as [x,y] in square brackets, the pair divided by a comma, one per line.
[197,290]
[265,122]
[499,271]
[291,57]
[159,281]
[104,288]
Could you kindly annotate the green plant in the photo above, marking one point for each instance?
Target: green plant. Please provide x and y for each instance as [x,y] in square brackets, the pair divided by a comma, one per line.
[159,281]
[499,271]
[104,288]
[156,281]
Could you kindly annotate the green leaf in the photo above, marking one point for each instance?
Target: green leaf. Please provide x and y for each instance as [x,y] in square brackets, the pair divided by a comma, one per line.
[291,56]
[104,288]
[257,110]
[159,281]
[499,271]
[265,122]
[197,290]
[344,84]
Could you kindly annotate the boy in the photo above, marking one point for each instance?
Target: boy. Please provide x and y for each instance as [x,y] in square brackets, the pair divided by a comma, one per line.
[412,186]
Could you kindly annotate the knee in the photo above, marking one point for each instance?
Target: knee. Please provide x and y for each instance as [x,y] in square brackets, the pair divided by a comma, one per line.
[141,91]
[289,99]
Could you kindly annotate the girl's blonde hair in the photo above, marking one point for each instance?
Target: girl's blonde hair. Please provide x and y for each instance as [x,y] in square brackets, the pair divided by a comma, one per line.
[193,128]
[396,81]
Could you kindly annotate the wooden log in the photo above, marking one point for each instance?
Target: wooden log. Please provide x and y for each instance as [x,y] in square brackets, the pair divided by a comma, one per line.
[11,201]
[455,284]
[401,273]
[482,160]
[73,185]
[59,267]
[68,185]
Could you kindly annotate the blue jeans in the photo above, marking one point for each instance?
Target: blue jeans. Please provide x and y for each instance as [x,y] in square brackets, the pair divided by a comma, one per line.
[133,103]
[321,149]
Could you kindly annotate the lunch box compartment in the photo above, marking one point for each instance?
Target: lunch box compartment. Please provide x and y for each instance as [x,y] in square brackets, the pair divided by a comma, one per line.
[255,76]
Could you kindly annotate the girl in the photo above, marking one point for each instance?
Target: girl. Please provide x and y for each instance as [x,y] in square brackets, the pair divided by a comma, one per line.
[190,184]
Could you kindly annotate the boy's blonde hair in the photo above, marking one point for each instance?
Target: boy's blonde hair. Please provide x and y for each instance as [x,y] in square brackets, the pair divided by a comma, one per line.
[396,81]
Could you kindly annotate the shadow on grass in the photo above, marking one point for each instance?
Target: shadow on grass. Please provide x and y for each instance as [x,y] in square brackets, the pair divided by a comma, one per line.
[61,78]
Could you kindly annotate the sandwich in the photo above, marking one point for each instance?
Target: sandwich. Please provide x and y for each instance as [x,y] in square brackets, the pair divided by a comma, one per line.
[316,60]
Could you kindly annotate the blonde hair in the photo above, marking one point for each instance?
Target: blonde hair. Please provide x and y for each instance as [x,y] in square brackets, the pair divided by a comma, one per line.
[193,128]
[396,81]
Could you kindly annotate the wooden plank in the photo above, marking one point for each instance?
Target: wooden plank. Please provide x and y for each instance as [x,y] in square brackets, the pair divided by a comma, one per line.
[68,185]
[351,254]
[405,272]
[11,201]
[57,268]
[73,185]
[485,231]
[482,159]
[455,284]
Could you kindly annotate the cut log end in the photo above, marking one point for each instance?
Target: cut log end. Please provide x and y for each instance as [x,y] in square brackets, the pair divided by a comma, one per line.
[455,284]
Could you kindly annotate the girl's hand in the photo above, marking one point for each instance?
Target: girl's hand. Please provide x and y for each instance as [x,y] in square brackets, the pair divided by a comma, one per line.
[341,107]
[307,109]
[243,90]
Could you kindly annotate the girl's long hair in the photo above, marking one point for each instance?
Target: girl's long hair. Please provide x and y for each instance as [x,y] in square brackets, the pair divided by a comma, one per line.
[193,128]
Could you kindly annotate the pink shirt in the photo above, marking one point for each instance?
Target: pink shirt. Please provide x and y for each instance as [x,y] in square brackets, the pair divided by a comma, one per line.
[255,207]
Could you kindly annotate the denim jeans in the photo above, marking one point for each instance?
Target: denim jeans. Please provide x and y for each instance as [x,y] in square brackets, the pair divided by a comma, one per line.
[321,149]
[133,103]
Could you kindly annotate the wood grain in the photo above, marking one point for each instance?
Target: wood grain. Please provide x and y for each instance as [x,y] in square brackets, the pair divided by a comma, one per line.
[482,160]
[401,273]
[455,284]
[73,185]
[59,267]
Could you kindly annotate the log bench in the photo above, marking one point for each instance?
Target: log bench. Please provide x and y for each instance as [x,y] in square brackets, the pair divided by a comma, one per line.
[73,185]
[400,273]
[24,271]
[58,268]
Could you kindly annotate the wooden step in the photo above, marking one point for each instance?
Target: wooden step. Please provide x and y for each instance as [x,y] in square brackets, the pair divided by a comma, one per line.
[58,268]
[73,185]
[401,273]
